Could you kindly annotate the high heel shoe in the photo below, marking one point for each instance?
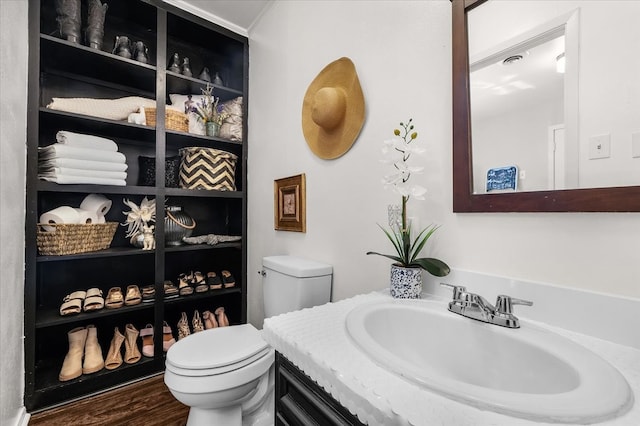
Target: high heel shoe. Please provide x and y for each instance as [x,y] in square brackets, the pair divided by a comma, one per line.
[167,337]
[114,356]
[93,361]
[131,352]
[223,321]
[147,340]
[183,327]
[197,322]
[209,320]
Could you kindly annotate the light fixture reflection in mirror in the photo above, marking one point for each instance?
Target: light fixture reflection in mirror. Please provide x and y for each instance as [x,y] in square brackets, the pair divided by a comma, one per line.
[601,181]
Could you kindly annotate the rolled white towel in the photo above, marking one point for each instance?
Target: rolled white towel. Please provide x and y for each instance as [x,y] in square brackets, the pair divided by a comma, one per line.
[58,150]
[85,141]
[82,164]
[112,109]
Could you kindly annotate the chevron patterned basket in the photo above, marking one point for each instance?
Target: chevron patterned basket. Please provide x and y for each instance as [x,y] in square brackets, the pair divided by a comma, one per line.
[207,168]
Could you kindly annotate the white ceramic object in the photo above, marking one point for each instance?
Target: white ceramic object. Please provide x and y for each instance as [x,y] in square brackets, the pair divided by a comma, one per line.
[529,372]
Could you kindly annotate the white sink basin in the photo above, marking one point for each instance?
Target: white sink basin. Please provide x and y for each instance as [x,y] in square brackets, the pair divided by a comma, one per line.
[528,372]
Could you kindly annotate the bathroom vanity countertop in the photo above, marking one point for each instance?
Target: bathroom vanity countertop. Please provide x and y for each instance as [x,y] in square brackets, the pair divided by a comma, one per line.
[316,341]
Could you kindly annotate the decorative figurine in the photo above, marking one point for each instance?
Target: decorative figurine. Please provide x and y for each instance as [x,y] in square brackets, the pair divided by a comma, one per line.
[122,47]
[204,75]
[186,68]
[140,52]
[149,241]
[94,32]
[189,105]
[68,18]
[217,80]
[175,64]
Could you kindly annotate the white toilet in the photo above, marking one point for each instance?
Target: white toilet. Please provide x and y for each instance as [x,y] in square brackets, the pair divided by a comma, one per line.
[225,374]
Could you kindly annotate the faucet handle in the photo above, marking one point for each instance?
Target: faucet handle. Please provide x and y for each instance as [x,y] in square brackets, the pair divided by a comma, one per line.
[457,289]
[504,303]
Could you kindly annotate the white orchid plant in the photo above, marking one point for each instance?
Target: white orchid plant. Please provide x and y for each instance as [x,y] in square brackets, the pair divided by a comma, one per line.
[398,151]
[139,217]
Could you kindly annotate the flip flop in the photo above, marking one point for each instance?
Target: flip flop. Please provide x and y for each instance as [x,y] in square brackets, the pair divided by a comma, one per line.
[93,301]
[114,298]
[72,303]
[184,288]
[228,279]
[214,281]
[133,296]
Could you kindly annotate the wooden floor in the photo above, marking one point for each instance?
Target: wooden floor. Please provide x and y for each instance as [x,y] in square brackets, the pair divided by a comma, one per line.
[147,402]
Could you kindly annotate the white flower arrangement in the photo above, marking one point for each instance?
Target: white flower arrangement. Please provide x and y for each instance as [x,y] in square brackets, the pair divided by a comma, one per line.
[139,217]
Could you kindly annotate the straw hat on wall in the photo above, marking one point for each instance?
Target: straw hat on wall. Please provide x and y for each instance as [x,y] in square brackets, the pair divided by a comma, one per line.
[333,110]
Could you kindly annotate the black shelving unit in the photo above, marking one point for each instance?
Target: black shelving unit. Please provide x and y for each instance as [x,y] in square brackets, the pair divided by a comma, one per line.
[58,68]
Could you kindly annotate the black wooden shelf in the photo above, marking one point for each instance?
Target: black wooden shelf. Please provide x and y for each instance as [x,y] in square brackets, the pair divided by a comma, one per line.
[51,317]
[45,186]
[206,295]
[61,56]
[178,83]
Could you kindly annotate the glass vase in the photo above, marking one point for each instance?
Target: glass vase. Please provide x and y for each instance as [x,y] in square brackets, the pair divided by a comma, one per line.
[212,129]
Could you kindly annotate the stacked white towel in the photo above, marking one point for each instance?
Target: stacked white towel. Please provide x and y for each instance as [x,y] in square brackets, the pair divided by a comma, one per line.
[77,158]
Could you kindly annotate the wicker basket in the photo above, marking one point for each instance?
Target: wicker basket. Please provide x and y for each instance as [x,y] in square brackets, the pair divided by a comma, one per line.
[74,238]
[173,120]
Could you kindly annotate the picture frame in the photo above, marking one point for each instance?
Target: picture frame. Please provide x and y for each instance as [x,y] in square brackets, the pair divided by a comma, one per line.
[289,200]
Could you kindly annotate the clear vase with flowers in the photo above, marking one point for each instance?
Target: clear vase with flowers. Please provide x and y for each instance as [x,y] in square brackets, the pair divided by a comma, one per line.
[406,271]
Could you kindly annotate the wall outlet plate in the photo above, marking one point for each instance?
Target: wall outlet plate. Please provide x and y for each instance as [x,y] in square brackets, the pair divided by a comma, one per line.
[599,146]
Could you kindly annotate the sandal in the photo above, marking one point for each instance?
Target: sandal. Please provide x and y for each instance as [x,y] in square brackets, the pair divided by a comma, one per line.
[170,290]
[148,293]
[114,298]
[209,320]
[93,301]
[214,281]
[167,337]
[223,321]
[72,303]
[184,288]
[197,322]
[228,279]
[200,283]
[183,327]
[147,340]
[133,296]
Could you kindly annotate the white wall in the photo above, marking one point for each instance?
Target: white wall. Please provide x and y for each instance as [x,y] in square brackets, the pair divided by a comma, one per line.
[402,52]
[13,89]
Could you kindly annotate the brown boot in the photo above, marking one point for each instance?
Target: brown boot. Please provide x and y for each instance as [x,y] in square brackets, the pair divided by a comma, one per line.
[72,364]
[131,352]
[93,360]
[222,317]
[114,357]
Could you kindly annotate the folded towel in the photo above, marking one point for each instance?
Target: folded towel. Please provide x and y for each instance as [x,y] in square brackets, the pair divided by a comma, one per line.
[113,109]
[58,150]
[66,180]
[83,164]
[85,141]
[65,171]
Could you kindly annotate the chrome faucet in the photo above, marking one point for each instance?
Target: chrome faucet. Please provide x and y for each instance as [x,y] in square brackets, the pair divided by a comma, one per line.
[476,307]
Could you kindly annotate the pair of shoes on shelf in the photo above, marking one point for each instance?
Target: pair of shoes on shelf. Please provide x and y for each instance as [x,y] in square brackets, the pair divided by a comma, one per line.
[184,285]
[76,302]
[84,355]
[170,290]
[210,320]
[216,282]
[194,281]
[148,293]
[115,299]
[197,323]
[131,352]
[147,334]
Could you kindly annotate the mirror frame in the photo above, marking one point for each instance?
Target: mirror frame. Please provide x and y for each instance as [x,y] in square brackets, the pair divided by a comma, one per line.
[611,199]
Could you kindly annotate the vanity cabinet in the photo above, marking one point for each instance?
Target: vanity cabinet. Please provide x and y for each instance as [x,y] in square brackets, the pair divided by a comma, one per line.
[301,401]
[62,69]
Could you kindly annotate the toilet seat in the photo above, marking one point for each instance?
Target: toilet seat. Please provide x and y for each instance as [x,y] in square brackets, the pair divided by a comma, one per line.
[216,351]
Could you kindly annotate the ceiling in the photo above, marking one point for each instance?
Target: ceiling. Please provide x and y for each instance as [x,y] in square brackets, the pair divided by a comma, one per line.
[237,15]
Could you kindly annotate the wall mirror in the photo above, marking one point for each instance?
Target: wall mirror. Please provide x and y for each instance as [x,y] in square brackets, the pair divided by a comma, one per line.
[546,106]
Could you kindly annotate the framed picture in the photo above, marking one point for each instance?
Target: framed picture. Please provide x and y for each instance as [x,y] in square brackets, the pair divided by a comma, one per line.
[289,204]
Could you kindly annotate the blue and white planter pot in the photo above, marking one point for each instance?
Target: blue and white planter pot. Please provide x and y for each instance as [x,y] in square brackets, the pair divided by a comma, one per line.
[406,283]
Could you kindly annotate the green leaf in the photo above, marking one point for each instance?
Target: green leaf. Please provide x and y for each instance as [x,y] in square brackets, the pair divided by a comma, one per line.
[433,266]
[421,240]
[396,258]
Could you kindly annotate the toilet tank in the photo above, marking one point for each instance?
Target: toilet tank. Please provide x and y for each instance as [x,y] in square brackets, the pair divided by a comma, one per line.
[291,283]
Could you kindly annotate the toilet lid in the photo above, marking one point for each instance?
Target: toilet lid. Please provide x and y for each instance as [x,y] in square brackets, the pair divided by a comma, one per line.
[217,347]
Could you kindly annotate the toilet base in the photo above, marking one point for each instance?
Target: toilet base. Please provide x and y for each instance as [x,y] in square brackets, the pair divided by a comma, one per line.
[221,416]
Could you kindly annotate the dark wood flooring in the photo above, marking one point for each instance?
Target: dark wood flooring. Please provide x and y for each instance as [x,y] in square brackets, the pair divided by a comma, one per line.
[147,402]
